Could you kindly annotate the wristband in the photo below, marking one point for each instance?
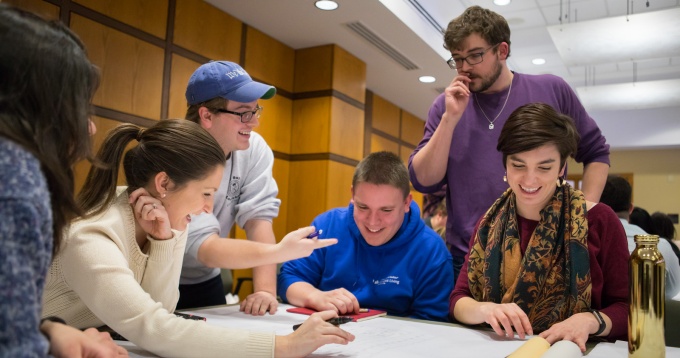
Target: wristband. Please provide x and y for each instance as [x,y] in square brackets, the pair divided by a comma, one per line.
[600,320]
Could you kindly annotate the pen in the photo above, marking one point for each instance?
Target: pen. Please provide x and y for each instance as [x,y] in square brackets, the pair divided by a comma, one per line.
[334,321]
[315,234]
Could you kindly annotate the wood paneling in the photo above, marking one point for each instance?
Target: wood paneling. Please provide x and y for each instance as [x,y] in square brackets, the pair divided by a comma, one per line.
[281,175]
[276,122]
[131,69]
[311,125]
[339,185]
[349,74]
[182,68]
[412,128]
[39,7]
[83,167]
[148,15]
[347,130]
[269,60]
[418,198]
[308,186]
[405,153]
[206,30]
[379,143]
[313,69]
[386,116]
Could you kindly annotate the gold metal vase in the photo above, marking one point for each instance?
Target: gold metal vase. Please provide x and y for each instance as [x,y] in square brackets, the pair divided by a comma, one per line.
[647,294]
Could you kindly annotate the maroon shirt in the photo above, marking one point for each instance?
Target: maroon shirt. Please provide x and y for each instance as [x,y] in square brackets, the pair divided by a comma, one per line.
[608,251]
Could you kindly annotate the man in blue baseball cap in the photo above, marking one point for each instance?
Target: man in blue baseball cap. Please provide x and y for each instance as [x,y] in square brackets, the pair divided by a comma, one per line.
[223,99]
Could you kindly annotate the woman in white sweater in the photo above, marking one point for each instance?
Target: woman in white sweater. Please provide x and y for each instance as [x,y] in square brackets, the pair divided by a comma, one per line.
[120,264]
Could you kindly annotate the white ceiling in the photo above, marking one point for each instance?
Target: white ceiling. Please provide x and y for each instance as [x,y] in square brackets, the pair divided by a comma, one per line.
[298,24]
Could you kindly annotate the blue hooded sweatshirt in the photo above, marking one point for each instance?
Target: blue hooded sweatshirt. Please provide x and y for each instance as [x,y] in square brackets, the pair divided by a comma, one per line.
[409,276]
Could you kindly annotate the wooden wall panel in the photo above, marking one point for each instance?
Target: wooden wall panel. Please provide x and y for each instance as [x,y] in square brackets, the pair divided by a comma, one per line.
[269,60]
[149,15]
[418,198]
[339,185]
[39,7]
[379,143]
[281,175]
[131,69]
[347,130]
[308,186]
[311,125]
[349,74]
[181,71]
[385,116]
[206,30]
[405,153]
[313,69]
[412,128]
[275,123]
[104,125]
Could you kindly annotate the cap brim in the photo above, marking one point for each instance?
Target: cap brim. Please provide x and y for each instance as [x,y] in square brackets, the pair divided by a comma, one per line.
[251,91]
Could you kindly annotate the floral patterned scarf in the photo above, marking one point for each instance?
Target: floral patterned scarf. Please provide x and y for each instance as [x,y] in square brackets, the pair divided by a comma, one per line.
[551,281]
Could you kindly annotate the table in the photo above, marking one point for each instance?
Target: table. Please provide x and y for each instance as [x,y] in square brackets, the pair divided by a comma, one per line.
[391,337]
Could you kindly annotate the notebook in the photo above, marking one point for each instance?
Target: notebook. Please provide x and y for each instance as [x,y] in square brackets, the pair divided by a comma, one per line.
[356,317]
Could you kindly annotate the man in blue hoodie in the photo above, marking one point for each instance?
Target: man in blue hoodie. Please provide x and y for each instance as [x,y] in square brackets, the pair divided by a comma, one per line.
[385,258]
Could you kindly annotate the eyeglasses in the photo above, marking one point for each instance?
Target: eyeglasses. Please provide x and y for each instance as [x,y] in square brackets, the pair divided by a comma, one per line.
[471,59]
[245,117]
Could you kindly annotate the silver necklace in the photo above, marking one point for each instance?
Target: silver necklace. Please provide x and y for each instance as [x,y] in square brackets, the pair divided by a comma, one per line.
[499,113]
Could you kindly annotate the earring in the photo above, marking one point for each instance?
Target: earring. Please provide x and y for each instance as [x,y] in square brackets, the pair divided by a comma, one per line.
[163,195]
[560,182]
[505,177]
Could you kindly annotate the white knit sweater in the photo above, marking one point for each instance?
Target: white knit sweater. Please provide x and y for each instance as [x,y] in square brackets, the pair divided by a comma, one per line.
[102,277]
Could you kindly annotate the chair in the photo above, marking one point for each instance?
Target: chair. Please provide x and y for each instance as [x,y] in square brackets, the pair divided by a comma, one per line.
[672,323]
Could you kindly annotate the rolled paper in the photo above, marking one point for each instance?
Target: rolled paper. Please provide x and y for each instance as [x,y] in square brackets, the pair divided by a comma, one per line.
[533,348]
[563,349]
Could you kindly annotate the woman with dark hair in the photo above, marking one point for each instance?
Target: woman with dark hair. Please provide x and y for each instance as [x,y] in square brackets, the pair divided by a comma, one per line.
[45,92]
[120,263]
[543,260]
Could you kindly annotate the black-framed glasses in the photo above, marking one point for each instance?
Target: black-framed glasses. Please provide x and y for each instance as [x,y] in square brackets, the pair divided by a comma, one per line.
[471,59]
[246,116]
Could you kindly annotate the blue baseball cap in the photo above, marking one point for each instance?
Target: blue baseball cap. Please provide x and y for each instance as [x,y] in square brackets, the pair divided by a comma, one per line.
[227,80]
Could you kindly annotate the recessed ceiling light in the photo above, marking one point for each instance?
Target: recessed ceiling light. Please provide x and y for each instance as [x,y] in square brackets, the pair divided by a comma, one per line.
[326,5]
[426,79]
[501,2]
[538,61]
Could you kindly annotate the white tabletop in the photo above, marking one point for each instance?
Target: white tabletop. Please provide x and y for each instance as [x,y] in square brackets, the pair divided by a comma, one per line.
[391,337]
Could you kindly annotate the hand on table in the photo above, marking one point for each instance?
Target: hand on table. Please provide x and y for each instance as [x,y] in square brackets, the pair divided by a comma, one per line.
[312,334]
[66,341]
[576,328]
[258,303]
[339,300]
[506,319]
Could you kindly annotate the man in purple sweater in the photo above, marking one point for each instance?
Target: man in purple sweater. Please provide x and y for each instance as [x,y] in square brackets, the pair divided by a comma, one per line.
[463,125]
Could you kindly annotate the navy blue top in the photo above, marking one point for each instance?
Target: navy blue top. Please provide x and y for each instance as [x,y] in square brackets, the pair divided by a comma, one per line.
[25,251]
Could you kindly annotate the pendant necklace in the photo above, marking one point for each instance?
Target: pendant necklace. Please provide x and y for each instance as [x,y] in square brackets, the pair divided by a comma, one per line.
[499,113]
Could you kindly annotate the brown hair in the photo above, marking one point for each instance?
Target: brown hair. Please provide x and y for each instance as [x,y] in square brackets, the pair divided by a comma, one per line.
[534,125]
[211,104]
[180,148]
[45,102]
[382,168]
[491,26]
